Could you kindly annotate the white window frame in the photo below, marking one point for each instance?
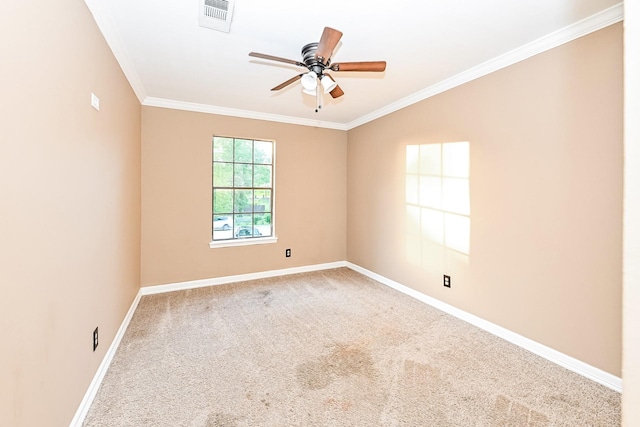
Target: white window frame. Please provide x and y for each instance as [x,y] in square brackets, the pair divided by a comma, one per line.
[252,240]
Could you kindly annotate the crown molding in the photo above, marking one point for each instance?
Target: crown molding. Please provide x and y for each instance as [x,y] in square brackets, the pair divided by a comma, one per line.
[581,28]
[223,111]
[105,23]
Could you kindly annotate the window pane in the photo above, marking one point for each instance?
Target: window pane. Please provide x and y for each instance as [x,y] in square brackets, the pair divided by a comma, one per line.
[243,151]
[243,175]
[222,222]
[222,201]
[262,201]
[262,219]
[262,176]
[222,174]
[263,223]
[263,152]
[222,227]
[243,201]
[222,149]
[243,220]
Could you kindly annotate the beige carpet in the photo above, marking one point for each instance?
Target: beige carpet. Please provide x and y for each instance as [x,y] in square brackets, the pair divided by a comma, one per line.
[329,348]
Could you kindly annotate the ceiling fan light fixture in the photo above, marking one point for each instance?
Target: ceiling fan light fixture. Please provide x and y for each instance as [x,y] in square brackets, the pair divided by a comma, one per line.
[328,84]
[309,81]
[311,92]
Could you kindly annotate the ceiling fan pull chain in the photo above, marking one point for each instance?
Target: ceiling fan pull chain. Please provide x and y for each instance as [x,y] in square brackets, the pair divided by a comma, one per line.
[318,98]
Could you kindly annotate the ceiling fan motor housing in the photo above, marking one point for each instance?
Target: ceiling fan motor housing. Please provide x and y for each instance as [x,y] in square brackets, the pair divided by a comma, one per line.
[310,60]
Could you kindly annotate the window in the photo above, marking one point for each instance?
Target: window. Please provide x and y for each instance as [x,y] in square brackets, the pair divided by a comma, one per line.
[242,196]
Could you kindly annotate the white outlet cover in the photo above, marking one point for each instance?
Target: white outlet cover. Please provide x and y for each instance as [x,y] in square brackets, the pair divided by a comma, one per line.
[95,101]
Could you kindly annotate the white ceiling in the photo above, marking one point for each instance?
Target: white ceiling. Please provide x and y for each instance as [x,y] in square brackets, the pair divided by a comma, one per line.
[429,46]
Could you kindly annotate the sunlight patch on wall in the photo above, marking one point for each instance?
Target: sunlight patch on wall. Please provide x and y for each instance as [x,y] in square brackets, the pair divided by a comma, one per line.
[437,201]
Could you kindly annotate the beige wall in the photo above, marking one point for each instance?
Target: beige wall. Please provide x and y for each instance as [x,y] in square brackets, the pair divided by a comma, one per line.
[631,337]
[546,201]
[545,190]
[310,204]
[70,207]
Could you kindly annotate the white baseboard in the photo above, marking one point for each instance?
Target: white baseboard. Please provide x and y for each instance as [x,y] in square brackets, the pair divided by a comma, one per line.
[83,409]
[192,284]
[575,365]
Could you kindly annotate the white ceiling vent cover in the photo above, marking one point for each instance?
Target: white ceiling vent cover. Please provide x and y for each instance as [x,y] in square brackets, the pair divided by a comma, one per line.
[216,14]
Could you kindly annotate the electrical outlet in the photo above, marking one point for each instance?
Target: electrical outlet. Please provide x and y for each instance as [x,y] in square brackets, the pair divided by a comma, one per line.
[447,281]
[287,253]
[95,339]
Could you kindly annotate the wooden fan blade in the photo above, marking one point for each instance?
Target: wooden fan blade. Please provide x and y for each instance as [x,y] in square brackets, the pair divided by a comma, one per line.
[336,92]
[327,43]
[360,66]
[276,58]
[288,82]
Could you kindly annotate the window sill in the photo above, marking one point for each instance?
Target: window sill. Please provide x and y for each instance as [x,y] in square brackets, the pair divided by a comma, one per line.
[242,242]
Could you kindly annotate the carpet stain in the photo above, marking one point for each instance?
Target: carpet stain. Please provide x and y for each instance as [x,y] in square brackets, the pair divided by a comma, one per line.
[347,360]
[313,375]
[267,297]
[219,419]
[507,412]
[343,361]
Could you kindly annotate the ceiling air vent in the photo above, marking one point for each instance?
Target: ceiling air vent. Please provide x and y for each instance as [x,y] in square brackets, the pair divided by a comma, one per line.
[216,14]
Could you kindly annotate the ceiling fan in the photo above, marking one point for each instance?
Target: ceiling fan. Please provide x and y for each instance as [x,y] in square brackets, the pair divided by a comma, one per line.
[316,57]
